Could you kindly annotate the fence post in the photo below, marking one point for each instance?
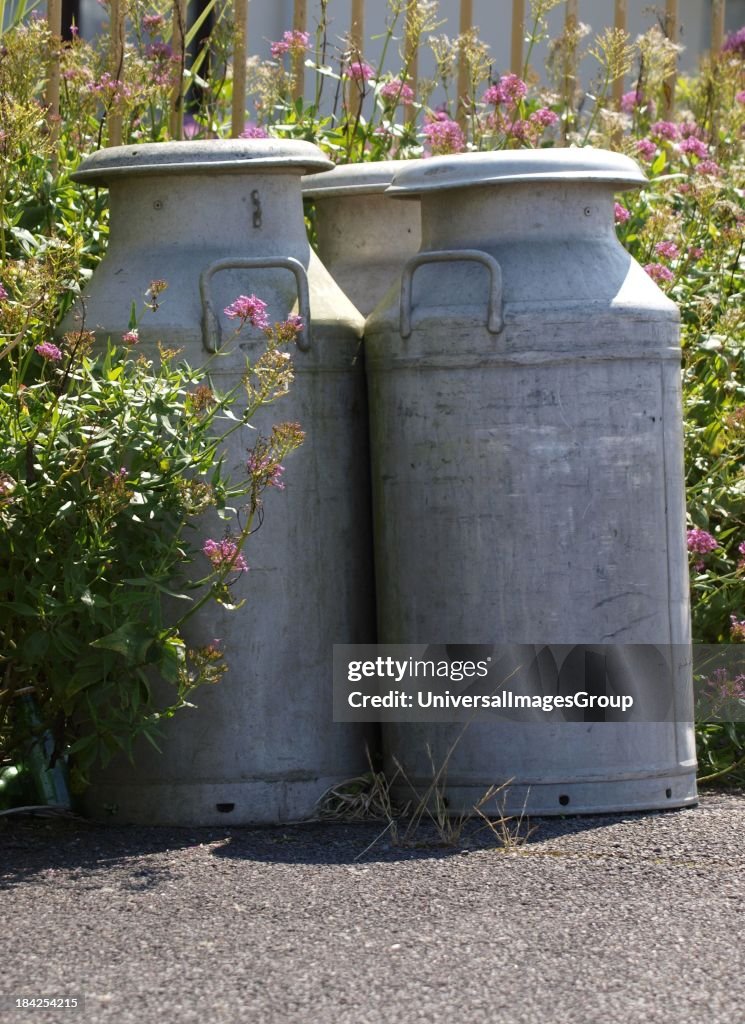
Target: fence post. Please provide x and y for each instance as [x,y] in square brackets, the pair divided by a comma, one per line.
[464,85]
[671,30]
[620,21]
[54,18]
[299,22]
[717,26]
[116,65]
[518,35]
[238,109]
[176,117]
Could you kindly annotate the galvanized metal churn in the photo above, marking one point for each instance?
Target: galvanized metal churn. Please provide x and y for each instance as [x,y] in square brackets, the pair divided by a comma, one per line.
[363,239]
[216,220]
[526,438]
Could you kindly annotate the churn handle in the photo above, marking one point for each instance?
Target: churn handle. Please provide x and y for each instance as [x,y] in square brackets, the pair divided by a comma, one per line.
[494,321]
[211,334]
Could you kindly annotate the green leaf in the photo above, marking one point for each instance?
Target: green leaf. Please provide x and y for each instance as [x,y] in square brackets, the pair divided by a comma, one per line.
[131,640]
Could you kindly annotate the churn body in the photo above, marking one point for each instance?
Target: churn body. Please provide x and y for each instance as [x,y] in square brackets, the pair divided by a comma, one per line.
[216,220]
[363,239]
[526,440]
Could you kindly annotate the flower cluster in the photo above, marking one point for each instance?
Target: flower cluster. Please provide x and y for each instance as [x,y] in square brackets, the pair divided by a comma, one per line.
[224,554]
[507,92]
[397,91]
[48,351]
[360,71]
[293,42]
[443,134]
[248,309]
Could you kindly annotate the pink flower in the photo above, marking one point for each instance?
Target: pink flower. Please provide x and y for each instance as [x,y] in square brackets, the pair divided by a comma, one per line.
[3,293]
[688,128]
[667,249]
[740,96]
[509,91]
[152,23]
[544,117]
[49,351]
[293,41]
[520,129]
[694,146]
[695,252]
[360,71]
[398,91]
[646,149]
[710,167]
[659,272]
[253,131]
[621,213]
[266,472]
[735,42]
[131,337]
[443,134]
[631,100]
[665,130]
[248,308]
[224,554]
[701,541]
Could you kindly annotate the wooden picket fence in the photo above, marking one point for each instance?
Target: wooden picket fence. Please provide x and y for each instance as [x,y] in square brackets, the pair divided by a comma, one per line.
[356,35]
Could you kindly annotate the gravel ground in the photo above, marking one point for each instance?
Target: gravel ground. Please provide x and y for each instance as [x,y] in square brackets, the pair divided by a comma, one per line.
[637,919]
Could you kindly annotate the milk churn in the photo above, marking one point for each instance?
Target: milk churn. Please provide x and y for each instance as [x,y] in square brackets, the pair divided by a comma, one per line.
[526,440]
[217,220]
[363,239]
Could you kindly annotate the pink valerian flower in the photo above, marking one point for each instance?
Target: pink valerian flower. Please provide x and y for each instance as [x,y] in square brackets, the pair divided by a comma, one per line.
[398,92]
[688,129]
[544,117]
[521,129]
[737,629]
[694,146]
[695,252]
[659,272]
[360,71]
[735,42]
[248,308]
[224,554]
[621,213]
[287,330]
[646,149]
[3,293]
[664,130]
[293,41]
[741,552]
[265,471]
[631,101]
[722,687]
[443,134]
[740,96]
[131,337]
[667,249]
[48,351]
[253,131]
[710,167]
[108,84]
[508,91]
[153,23]
[700,542]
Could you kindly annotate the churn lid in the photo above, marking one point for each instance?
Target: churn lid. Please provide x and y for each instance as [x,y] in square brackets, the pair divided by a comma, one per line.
[227,156]
[352,179]
[516,166]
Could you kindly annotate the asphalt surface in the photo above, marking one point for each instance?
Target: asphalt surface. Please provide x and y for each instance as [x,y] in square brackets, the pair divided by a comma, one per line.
[636,919]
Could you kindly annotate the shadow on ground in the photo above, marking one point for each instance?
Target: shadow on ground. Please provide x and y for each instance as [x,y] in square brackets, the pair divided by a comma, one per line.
[31,845]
